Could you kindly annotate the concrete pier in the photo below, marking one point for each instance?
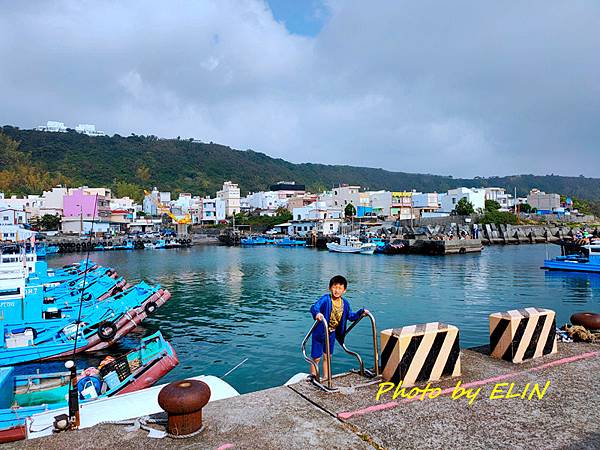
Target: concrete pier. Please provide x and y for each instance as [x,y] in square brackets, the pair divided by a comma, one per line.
[301,417]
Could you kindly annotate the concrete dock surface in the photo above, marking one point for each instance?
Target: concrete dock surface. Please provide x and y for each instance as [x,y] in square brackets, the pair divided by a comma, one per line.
[301,416]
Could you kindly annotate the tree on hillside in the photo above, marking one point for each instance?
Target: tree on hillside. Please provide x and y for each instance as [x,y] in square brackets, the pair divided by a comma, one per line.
[492,205]
[464,207]
[350,210]
[10,156]
[131,190]
[143,173]
[525,208]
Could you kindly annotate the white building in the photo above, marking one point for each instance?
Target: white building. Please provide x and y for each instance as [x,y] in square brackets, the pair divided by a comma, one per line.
[266,202]
[230,194]
[343,195]
[29,204]
[542,201]
[499,195]
[122,203]
[427,200]
[14,233]
[288,189]
[149,203]
[89,129]
[316,217]
[12,216]
[380,202]
[211,211]
[53,201]
[474,195]
[52,127]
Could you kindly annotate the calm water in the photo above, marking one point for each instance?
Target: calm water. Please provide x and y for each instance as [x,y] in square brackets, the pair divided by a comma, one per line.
[229,304]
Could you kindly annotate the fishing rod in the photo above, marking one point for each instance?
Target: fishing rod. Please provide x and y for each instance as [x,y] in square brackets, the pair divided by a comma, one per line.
[73,391]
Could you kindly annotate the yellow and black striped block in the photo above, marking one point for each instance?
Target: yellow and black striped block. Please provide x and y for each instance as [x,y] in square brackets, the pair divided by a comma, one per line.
[420,353]
[522,334]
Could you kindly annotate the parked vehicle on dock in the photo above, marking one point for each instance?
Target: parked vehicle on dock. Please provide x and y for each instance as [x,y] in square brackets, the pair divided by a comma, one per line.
[28,394]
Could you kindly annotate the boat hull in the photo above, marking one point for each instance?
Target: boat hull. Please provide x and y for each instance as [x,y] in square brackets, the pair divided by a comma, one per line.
[570,266]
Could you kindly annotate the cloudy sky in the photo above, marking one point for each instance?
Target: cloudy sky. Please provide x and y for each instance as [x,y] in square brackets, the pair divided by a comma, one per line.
[464,87]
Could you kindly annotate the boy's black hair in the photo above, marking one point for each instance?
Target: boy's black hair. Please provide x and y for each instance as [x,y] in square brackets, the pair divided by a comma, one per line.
[338,279]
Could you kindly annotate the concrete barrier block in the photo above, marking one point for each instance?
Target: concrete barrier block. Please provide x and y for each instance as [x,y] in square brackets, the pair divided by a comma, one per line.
[522,334]
[420,353]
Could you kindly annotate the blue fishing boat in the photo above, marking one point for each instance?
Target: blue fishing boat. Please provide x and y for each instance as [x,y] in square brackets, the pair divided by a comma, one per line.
[288,242]
[587,260]
[253,240]
[160,243]
[380,244]
[127,245]
[31,330]
[28,394]
[40,250]
[52,250]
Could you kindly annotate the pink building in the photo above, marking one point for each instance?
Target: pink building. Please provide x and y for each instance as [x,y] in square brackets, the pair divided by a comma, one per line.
[81,207]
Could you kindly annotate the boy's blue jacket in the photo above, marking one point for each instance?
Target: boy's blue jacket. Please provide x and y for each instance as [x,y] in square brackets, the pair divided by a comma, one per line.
[323,306]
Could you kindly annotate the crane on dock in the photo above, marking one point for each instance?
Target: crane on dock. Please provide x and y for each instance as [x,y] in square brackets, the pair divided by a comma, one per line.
[163,209]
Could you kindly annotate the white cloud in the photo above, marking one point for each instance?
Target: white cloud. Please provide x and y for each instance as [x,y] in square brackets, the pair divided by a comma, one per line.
[467,88]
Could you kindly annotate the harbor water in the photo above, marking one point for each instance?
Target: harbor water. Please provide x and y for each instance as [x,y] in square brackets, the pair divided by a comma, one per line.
[232,304]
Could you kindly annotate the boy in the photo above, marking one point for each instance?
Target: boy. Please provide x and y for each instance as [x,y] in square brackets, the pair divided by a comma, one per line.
[336,310]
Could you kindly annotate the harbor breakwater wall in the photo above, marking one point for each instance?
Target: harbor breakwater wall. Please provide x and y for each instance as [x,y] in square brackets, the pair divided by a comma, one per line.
[67,244]
[529,234]
[498,234]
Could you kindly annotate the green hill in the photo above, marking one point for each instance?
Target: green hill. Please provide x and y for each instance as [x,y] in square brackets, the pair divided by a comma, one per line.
[130,164]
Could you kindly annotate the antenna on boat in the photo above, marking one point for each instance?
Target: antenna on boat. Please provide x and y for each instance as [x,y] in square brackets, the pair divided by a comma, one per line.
[73,391]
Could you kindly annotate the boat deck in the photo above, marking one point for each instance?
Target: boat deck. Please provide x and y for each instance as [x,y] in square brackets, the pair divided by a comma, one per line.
[300,416]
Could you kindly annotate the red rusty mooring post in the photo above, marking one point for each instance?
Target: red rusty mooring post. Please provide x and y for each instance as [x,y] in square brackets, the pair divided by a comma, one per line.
[183,401]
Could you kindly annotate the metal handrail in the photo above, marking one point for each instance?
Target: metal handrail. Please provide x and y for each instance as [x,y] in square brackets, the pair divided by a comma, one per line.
[317,379]
[327,353]
[375,346]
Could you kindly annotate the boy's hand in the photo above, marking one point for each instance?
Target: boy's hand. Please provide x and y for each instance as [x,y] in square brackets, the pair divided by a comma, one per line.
[365,312]
[319,316]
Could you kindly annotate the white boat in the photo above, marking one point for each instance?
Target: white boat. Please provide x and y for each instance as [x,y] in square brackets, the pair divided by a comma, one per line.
[351,244]
[121,407]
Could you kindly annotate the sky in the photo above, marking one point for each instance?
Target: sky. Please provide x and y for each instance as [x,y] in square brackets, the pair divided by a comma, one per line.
[462,88]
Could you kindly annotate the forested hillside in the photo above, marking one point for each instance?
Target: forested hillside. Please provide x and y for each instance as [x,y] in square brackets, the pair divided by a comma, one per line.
[31,161]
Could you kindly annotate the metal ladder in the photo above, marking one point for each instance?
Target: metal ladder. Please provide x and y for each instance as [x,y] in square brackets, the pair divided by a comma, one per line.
[316,380]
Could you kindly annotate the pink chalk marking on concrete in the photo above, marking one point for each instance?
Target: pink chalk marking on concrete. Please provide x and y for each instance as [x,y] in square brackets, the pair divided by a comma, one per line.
[393,404]
[225,446]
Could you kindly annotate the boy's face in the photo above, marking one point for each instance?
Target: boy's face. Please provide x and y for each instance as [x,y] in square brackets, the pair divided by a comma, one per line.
[337,290]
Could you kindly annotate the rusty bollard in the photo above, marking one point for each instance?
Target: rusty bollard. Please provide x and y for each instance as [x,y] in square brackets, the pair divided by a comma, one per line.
[183,401]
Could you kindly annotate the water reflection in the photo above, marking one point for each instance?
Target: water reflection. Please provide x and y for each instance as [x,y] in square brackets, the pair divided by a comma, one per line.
[234,303]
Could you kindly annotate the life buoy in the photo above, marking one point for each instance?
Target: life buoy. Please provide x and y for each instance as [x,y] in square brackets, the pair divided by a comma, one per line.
[589,320]
[106,330]
[150,308]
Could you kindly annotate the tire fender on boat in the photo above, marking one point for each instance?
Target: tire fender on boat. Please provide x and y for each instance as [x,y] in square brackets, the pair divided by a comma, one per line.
[150,308]
[106,330]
